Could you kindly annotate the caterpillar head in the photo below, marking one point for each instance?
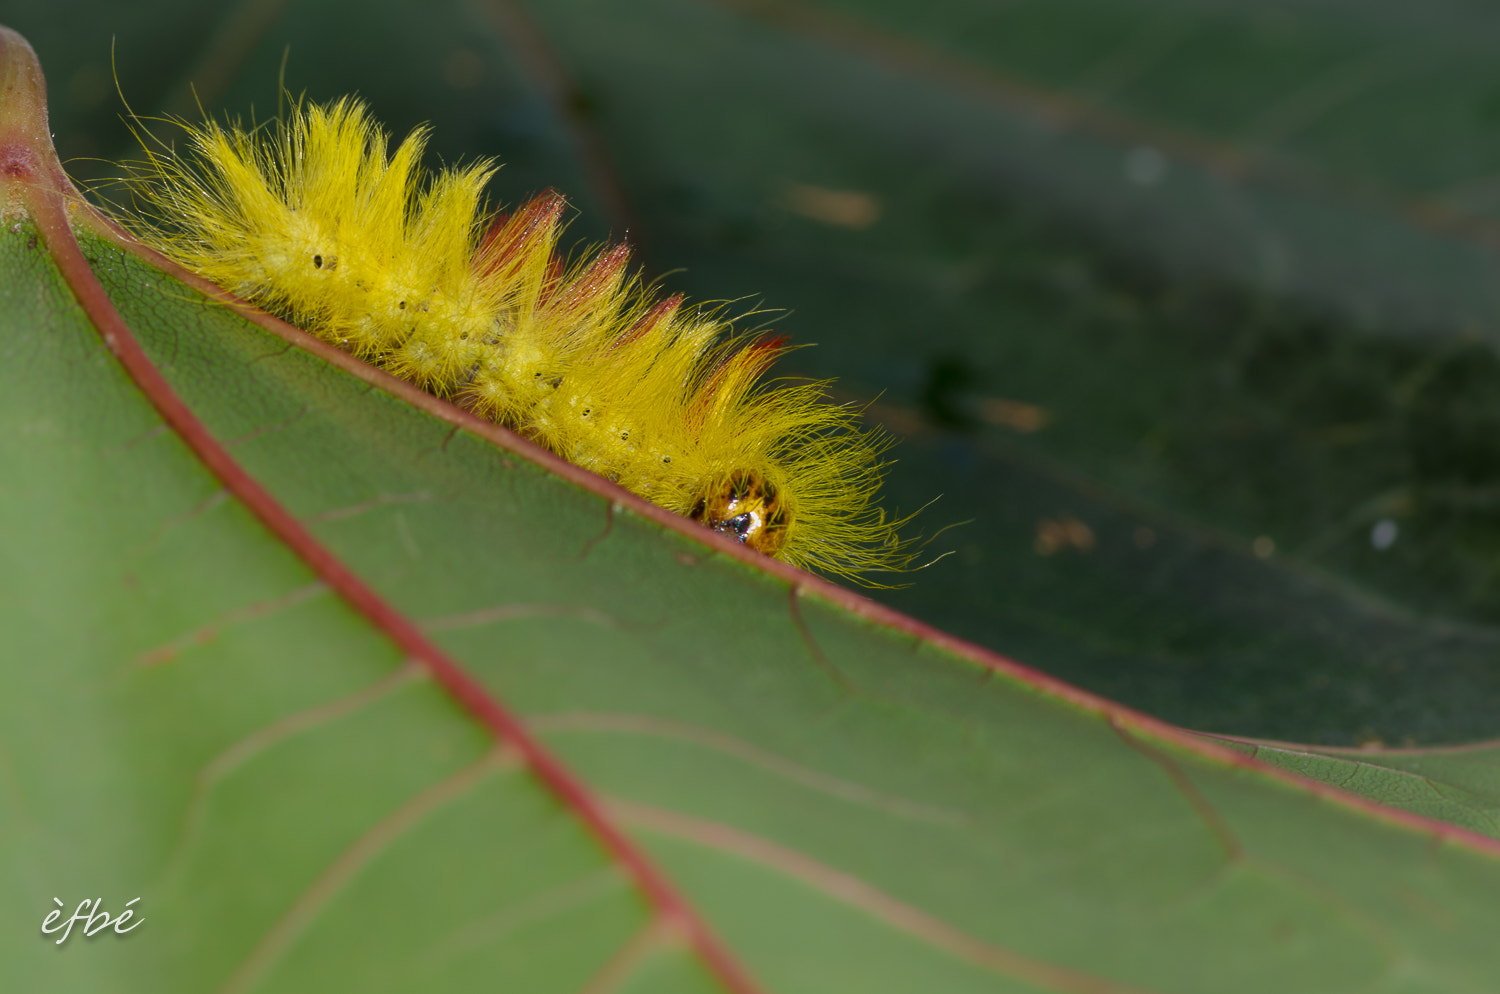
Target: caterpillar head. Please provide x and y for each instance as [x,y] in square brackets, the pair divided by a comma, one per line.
[746,506]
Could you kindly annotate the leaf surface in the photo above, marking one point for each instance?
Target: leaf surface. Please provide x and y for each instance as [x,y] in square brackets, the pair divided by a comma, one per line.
[1456,784]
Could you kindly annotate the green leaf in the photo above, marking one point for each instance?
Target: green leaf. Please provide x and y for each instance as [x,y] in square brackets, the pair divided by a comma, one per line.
[852,801]
[1456,784]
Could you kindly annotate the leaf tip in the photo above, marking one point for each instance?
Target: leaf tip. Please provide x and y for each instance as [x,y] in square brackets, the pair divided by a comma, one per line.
[26,153]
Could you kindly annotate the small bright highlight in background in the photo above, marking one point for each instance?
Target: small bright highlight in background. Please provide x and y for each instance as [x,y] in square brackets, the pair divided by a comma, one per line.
[1384,534]
[1145,166]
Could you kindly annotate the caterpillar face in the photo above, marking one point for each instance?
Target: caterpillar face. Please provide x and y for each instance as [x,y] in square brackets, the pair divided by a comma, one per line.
[315,221]
[746,506]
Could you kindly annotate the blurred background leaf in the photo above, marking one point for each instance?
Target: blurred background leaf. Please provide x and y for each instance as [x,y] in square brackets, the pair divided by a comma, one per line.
[1187,309]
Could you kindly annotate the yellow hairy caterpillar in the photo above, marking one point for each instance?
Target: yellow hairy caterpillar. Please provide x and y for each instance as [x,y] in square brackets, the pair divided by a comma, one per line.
[312,219]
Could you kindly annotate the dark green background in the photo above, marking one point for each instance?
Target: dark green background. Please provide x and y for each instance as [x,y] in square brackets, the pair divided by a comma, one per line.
[1286,336]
